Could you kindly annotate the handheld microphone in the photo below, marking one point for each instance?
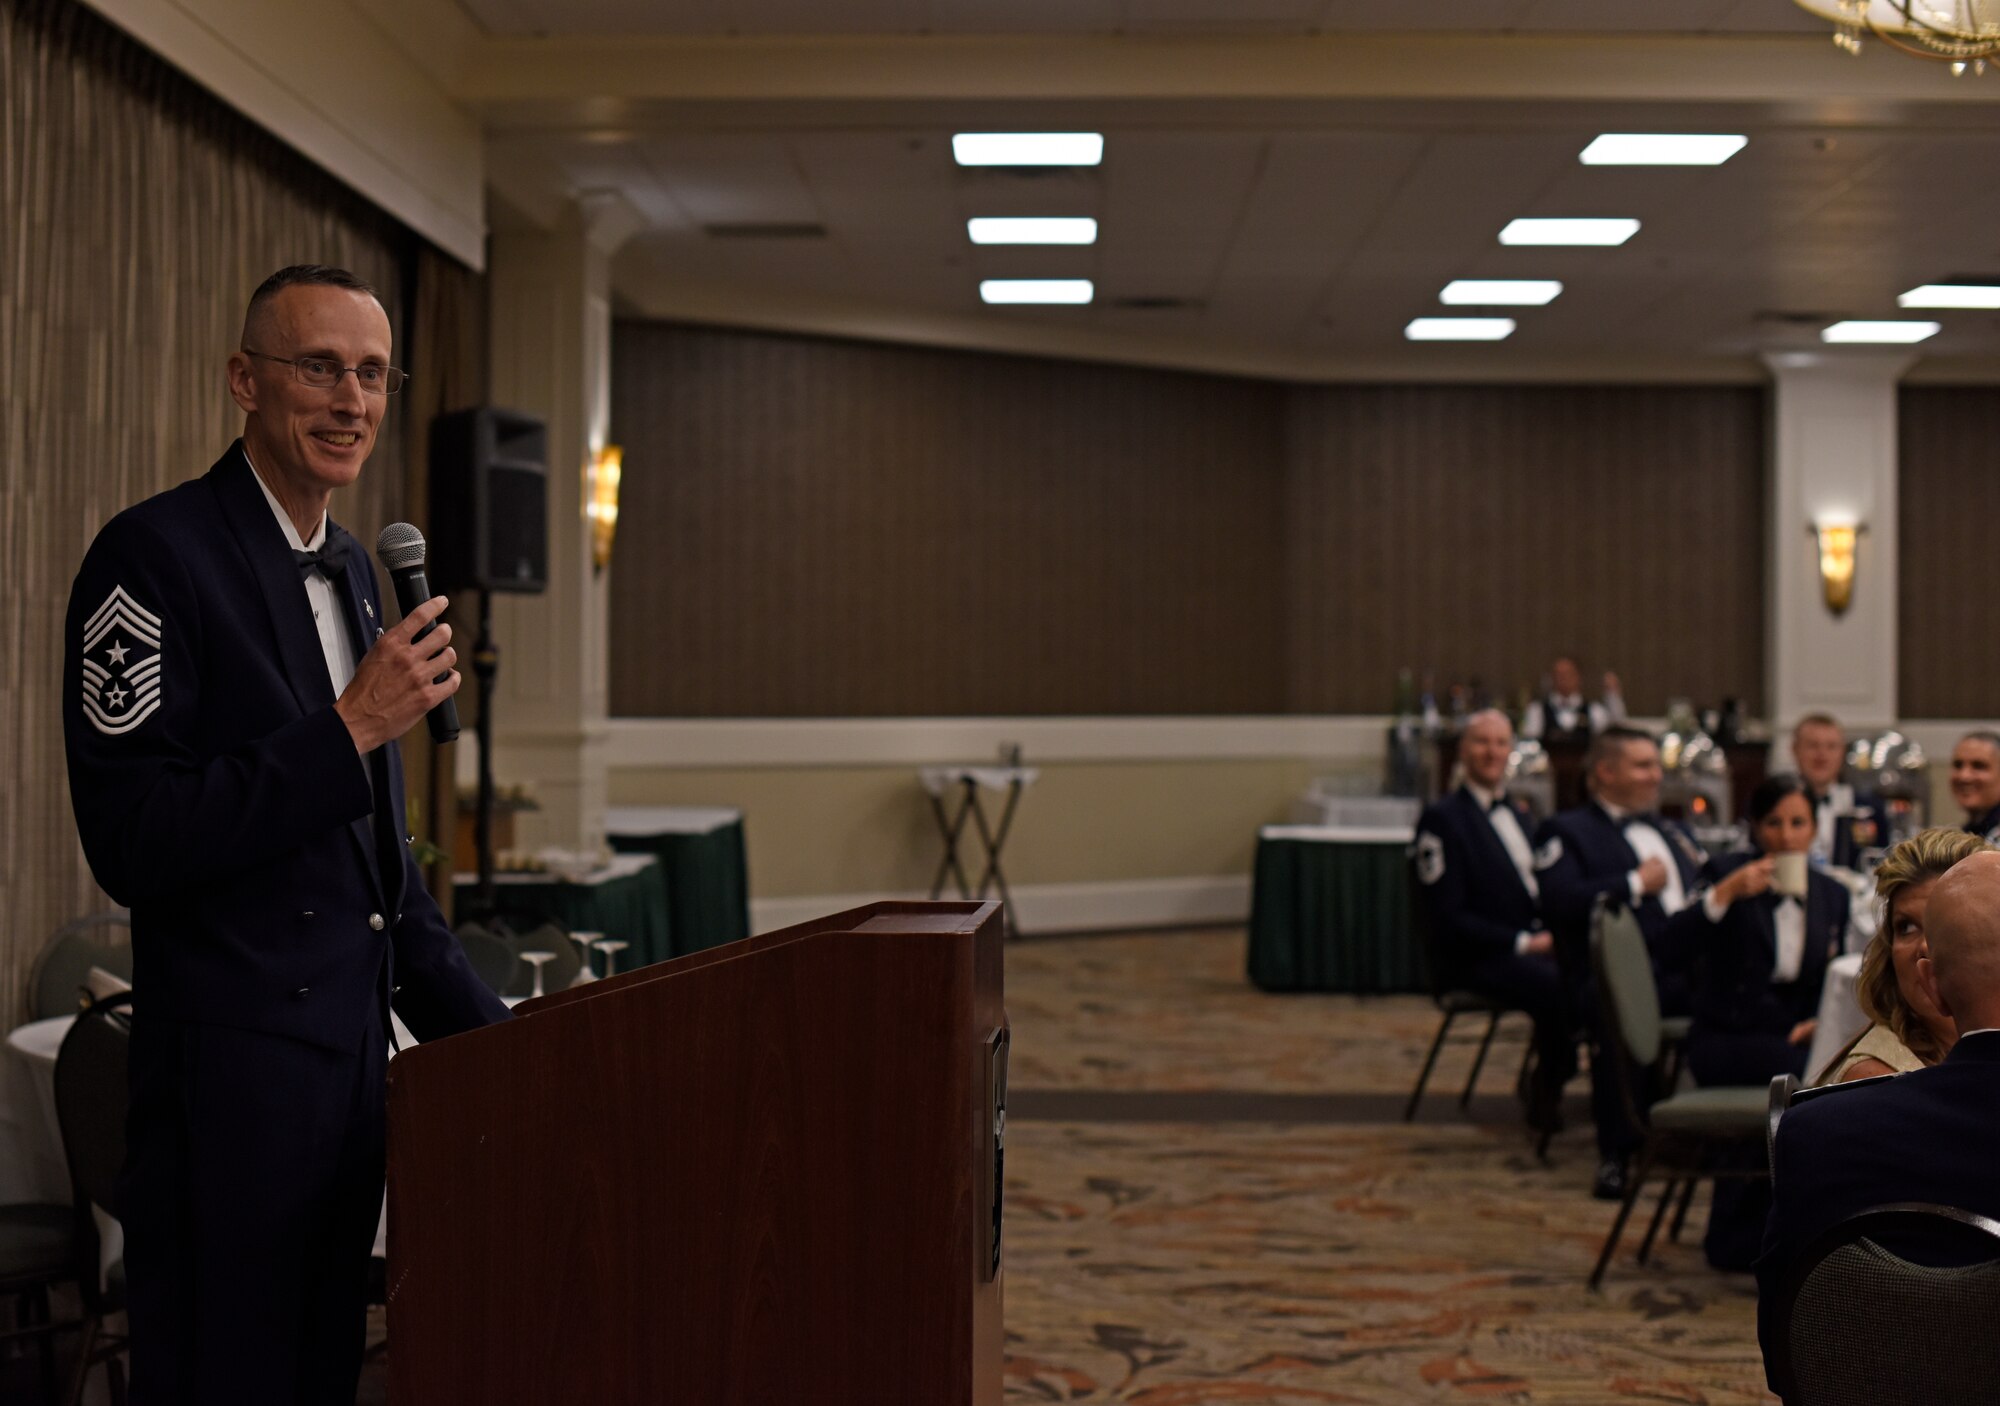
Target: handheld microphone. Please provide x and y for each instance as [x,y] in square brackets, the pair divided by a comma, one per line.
[401,548]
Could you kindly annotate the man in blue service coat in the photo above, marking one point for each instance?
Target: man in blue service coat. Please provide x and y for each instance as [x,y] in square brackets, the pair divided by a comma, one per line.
[1478,878]
[1616,847]
[232,702]
[1848,820]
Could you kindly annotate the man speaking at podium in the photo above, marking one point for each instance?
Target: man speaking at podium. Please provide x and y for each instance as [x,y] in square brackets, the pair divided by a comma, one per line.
[231,704]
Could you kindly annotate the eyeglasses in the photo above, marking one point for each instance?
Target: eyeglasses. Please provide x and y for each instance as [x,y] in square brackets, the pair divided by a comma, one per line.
[324,373]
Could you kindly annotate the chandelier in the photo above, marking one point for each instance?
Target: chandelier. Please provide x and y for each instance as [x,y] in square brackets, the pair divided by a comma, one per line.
[1962,33]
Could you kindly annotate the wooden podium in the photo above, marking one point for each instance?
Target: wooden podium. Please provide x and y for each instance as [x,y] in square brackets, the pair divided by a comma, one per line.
[769,1172]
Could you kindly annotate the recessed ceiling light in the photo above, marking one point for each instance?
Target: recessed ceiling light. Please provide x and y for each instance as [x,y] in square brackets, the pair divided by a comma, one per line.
[1031,231]
[1879,331]
[1952,295]
[1660,149]
[1028,148]
[1459,329]
[1500,292]
[1064,291]
[1569,231]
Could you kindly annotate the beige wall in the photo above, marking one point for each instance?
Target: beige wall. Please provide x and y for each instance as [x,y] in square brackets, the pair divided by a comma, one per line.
[868,829]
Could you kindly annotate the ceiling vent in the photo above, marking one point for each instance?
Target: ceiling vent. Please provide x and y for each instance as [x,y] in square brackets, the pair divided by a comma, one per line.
[1786,318]
[1155,303]
[769,230]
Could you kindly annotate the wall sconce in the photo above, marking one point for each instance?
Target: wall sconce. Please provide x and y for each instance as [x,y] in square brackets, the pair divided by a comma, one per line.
[1837,541]
[607,467]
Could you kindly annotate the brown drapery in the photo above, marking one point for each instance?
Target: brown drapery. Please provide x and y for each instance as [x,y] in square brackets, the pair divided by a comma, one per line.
[139,214]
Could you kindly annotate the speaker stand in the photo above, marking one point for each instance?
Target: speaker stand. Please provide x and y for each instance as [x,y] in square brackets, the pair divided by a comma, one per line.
[485,668]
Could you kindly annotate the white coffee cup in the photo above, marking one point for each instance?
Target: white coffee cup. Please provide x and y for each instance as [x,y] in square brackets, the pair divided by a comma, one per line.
[1788,873]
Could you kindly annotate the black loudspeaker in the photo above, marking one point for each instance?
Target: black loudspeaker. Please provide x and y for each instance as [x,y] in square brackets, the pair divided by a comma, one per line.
[489,519]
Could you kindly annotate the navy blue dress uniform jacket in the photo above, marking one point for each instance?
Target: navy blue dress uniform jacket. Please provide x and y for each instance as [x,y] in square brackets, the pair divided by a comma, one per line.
[1477,900]
[219,795]
[1986,826]
[1582,855]
[1729,963]
[1931,1135]
[1864,826]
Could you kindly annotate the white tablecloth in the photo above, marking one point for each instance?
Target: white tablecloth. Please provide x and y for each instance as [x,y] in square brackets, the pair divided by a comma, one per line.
[1340,834]
[620,866]
[1840,1017]
[668,820]
[939,779]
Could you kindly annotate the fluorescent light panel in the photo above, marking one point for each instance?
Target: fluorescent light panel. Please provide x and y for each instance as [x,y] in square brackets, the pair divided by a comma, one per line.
[1008,230]
[1500,292]
[1860,331]
[1951,295]
[1057,291]
[1028,148]
[1540,231]
[1661,149]
[1459,329]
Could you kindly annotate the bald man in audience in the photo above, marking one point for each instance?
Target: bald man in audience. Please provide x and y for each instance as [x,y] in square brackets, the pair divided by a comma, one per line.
[1846,819]
[1975,782]
[1478,877]
[1932,1135]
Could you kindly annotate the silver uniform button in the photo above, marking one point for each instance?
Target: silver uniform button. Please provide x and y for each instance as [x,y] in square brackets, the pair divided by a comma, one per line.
[375,921]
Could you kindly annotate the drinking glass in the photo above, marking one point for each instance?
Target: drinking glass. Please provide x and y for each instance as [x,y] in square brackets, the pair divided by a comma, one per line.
[583,941]
[537,960]
[610,947]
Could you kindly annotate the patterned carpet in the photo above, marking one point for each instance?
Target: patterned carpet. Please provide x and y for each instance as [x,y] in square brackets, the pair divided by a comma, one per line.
[1337,1255]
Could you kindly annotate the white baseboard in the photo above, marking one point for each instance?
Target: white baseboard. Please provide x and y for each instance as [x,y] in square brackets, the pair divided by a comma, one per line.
[1057,908]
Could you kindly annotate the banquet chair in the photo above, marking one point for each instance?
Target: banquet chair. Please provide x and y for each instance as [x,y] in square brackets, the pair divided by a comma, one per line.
[1930,1279]
[1452,1002]
[56,985]
[36,1254]
[91,1101]
[492,956]
[1688,1137]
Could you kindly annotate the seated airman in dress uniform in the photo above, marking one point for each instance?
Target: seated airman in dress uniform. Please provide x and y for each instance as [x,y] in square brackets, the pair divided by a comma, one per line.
[1847,819]
[1478,878]
[1617,848]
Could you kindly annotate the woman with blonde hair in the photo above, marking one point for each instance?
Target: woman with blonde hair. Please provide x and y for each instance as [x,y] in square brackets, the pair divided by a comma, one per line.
[1908,1031]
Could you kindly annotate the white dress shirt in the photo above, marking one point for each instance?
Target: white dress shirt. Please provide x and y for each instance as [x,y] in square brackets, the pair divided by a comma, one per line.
[1507,826]
[1570,710]
[1648,843]
[1789,918]
[334,641]
[1836,803]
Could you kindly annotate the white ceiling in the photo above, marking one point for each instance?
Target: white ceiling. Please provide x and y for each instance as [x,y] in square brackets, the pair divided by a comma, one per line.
[546,17]
[1298,232]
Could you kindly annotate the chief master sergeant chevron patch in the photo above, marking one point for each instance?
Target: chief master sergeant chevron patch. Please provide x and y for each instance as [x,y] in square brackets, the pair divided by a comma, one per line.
[121,664]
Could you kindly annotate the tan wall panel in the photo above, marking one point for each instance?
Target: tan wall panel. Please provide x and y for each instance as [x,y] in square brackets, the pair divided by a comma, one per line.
[844,830]
[1481,530]
[1949,506]
[818,528]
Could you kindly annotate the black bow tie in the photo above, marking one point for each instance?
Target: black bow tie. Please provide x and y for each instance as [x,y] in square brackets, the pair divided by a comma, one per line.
[326,561]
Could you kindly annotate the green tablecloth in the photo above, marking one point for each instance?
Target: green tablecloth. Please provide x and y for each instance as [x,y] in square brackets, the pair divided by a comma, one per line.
[708,878]
[1330,911]
[631,904]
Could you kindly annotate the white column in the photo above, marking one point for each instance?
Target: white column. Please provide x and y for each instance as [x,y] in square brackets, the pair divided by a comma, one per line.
[1833,460]
[551,344]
